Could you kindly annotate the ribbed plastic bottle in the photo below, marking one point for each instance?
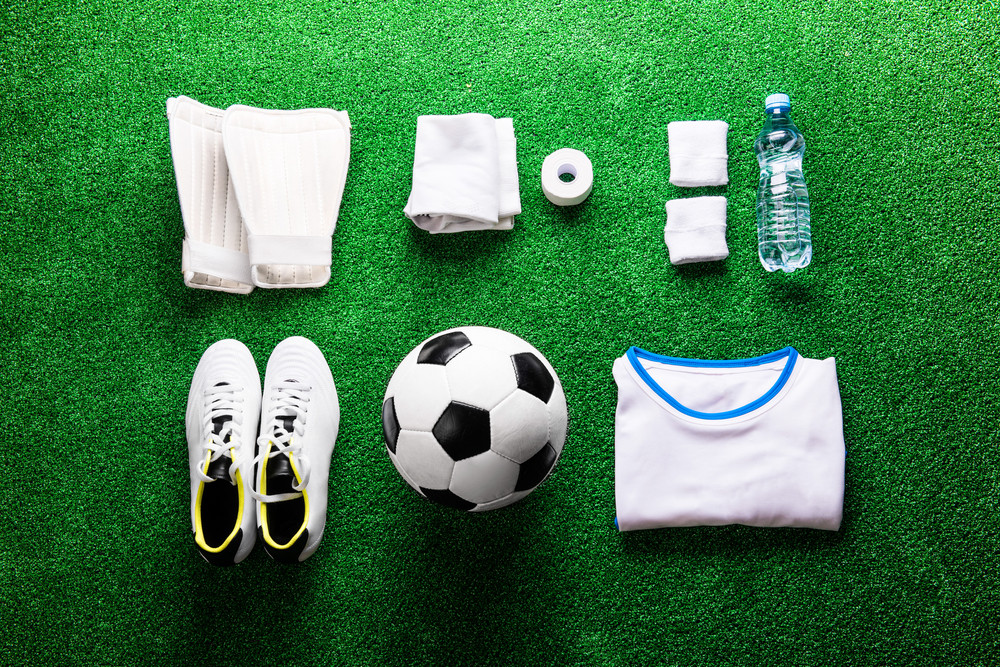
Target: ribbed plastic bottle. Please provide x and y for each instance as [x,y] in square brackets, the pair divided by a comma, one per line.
[784,238]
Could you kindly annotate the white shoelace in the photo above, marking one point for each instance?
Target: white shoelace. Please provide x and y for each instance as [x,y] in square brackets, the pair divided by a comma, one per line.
[222,401]
[288,399]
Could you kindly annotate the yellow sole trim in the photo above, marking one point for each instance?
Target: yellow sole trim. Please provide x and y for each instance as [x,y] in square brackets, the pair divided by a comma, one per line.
[266,533]
[199,532]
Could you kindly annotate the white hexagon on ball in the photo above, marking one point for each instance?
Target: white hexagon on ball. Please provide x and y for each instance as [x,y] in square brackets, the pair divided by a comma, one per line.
[425,463]
[503,502]
[481,376]
[558,420]
[484,477]
[504,342]
[426,389]
[519,426]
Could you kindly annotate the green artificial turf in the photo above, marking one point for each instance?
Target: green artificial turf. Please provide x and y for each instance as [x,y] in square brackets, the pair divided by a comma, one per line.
[898,103]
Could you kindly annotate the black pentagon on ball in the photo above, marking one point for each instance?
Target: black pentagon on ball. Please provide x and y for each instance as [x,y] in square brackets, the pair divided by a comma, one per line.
[390,424]
[463,431]
[442,349]
[535,469]
[532,376]
[446,497]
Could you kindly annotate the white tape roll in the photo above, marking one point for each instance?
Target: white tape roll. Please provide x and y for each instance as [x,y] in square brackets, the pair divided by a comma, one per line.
[567,161]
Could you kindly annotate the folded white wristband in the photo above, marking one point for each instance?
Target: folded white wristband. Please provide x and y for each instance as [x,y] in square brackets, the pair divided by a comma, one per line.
[696,230]
[698,153]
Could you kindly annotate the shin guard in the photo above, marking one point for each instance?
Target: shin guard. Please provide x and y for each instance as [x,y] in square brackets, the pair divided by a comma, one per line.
[289,169]
[215,253]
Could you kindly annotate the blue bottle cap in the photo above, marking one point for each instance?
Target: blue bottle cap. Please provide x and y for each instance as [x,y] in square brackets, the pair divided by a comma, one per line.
[777,101]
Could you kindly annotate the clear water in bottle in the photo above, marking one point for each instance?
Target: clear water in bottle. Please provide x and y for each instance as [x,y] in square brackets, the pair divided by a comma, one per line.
[784,238]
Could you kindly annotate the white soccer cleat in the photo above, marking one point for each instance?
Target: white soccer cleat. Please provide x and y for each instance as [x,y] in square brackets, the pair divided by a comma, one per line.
[215,252]
[289,169]
[221,420]
[299,423]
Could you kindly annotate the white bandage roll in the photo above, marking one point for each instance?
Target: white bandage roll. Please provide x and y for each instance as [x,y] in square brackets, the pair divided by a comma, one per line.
[567,161]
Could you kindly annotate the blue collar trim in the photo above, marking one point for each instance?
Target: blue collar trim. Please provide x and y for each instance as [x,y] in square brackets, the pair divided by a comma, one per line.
[635,353]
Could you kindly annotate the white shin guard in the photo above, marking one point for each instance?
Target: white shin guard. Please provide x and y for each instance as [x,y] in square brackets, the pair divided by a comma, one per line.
[215,242]
[289,169]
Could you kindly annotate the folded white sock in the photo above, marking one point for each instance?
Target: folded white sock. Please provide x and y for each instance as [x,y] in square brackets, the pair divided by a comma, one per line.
[464,174]
[696,230]
[289,169]
[698,154]
[214,254]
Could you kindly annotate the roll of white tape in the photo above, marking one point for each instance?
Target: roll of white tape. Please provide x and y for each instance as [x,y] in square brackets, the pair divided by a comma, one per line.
[574,190]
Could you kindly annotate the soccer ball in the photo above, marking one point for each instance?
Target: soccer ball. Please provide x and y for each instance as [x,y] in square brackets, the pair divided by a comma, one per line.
[474,418]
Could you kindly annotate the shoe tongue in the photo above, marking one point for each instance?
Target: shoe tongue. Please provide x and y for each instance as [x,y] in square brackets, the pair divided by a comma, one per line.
[219,468]
[280,476]
[219,422]
[287,423]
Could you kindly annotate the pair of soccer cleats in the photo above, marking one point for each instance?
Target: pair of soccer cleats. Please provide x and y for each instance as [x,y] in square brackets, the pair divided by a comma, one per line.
[260,460]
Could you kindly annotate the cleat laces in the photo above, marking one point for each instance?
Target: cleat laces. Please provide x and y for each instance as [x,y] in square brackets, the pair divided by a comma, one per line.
[222,428]
[283,430]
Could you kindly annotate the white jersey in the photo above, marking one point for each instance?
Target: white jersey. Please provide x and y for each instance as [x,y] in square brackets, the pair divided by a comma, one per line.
[755,441]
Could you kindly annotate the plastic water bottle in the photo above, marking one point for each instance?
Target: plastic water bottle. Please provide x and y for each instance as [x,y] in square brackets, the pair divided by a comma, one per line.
[784,239]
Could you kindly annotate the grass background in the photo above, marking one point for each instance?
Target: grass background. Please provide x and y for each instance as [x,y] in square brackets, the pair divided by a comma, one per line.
[898,102]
